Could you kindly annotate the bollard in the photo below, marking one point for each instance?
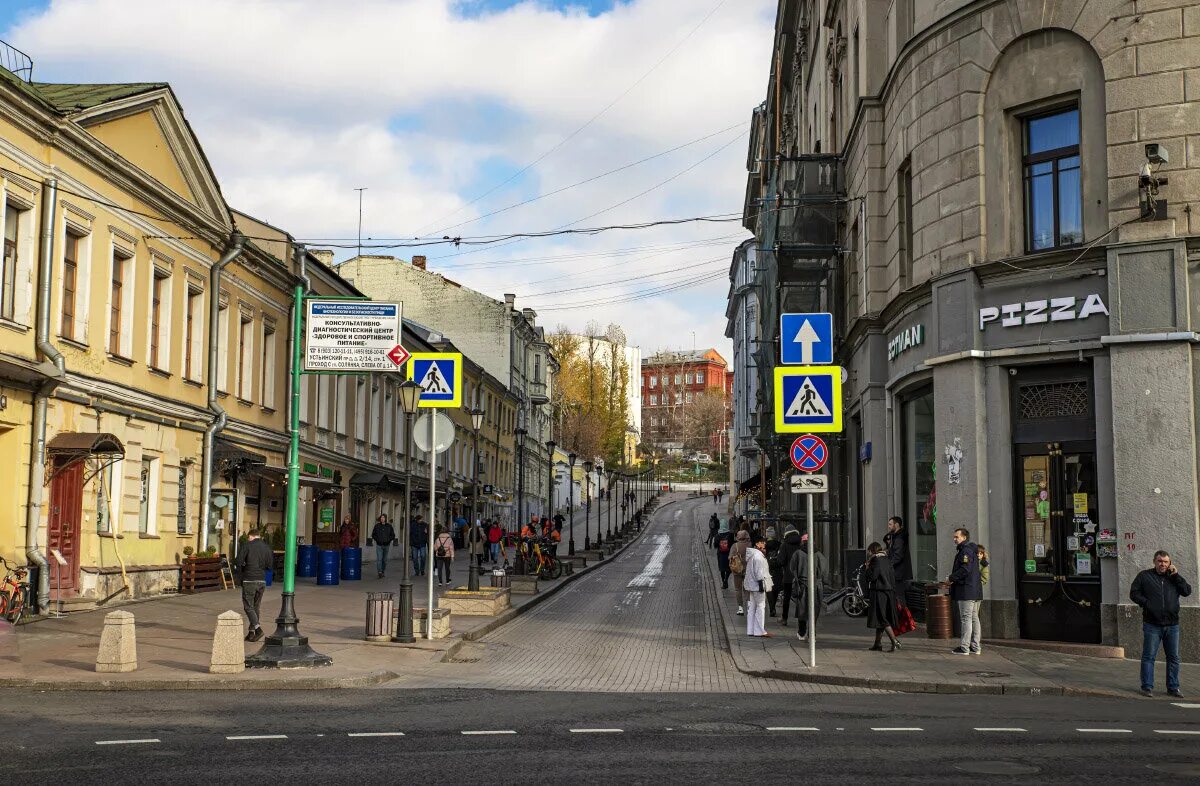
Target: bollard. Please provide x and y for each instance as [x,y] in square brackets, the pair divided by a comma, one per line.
[228,649]
[118,643]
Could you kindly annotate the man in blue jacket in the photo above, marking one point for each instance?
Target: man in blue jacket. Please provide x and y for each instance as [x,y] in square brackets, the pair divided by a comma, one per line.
[966,590]
[1158,591]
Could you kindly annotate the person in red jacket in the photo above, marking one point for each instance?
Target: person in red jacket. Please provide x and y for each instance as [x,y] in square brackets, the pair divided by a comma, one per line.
[495,534]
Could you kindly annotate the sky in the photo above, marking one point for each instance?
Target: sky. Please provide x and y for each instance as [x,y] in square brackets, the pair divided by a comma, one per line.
[451,113]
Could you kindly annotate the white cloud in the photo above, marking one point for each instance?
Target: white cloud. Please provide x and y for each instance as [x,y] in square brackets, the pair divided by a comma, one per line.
[296,103]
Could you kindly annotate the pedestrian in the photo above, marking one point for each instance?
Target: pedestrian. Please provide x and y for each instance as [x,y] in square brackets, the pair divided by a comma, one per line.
[253,563]
[881,607]
[443,551]
[1158,590]
[495,535]
[724,545]
[984,572]
[559,521]
[418,536]
[476,544]
[791,542]
[799,571]
[774,555]
[758,584]
[348,532]
[460,528]
[896,542]
[737,566]
[966,590]
[714,526]
[382,534]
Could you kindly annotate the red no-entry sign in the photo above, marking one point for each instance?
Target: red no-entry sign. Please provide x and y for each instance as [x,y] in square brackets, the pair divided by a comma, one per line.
[809,453]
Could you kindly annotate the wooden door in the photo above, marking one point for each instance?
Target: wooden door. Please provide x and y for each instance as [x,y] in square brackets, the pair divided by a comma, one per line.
[66,511]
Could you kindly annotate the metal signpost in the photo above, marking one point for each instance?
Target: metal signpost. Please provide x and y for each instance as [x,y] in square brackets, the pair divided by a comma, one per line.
[434,434]
[809,454]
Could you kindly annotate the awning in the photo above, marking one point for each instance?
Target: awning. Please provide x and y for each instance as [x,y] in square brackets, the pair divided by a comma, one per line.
[376,479]
[749,484]
[237,457]
[312,481]
[86,442]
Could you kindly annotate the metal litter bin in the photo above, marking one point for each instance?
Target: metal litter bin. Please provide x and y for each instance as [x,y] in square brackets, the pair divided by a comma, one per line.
[499,578]
[938,621]
[379,615]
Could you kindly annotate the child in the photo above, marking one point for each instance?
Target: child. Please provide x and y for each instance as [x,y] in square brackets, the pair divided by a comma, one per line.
[983,565]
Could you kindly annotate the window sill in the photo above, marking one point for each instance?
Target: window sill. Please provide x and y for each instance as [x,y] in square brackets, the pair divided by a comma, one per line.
[269,410]
[110,535]
[121,359]
[158,372]
[14,326]
[245,402]
[147,536]
[193,382]
[222,394]
[185,534]
[70,342]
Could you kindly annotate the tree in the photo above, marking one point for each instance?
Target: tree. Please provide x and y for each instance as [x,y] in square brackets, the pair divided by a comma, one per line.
[591,397]
[703,419]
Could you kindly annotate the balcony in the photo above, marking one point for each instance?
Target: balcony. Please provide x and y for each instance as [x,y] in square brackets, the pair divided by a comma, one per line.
[537,392]
[810,195]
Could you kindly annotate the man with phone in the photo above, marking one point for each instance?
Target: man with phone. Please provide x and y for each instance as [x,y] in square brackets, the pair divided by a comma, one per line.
[1158,590]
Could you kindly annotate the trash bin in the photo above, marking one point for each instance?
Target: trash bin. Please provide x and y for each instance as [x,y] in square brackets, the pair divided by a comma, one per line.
[306,561]
[499,578]
[270,575]
[327,568]
[351,563]
[938,623]
[379,615]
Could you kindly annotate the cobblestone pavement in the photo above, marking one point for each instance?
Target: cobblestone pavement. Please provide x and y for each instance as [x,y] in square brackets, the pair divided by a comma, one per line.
[646,622]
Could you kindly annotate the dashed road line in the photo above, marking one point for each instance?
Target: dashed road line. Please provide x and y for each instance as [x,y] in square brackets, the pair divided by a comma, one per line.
[481,732]
[1001,729]
[127,742]
[896,728]
[597,731]
[1105,731]
[257,737]
[1176,731]
[792,728]
[1186,705]
[375,734]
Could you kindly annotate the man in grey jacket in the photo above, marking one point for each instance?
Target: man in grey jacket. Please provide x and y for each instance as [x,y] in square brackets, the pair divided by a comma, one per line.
[253,563]
[799,572]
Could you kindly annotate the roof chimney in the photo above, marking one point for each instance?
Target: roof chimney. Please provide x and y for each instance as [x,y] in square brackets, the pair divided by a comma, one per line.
[510,300]
[418,262]
[323,255]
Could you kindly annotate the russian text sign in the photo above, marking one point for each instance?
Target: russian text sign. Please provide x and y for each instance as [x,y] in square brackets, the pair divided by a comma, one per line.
[351,335]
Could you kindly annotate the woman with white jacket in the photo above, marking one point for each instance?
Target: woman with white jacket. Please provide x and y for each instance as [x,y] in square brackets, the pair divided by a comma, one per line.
[757,582]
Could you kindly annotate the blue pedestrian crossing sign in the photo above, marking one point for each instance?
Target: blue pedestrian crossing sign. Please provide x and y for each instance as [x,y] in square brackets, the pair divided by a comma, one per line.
[806,339]
[439,375]
[808,399]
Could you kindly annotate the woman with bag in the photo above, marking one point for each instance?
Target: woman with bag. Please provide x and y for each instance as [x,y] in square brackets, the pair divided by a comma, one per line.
[881,609]
[737,566]
[443,554]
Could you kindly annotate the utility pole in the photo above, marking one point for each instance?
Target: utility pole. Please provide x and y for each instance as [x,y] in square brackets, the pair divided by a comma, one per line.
[360,200]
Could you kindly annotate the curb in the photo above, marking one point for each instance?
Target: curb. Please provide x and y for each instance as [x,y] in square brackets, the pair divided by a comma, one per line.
[223,683]
[511,614]
[898,686]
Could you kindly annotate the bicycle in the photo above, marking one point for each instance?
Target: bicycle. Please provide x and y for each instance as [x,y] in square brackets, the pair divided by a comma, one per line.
[854,600]
[541,562]
[14,593]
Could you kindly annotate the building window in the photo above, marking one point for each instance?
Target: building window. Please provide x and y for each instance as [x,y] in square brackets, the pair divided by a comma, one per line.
[653,381]
[160,307]
[679,379]
[1053,196]
[148,498]
[654,399]
[920,497]
[245,357]
[70,288]
[268,366]
[118,292]
[15,225]
[181,510]
[193,320]
[688,398]
[222,346]
[904,228]
[108,496]
[699,377]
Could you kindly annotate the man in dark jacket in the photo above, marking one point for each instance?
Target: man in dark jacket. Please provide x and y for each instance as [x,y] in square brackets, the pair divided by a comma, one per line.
[1158,591]
[896,541]
[253,563]
[966,590]
[383,534]
[418,544]
[791,544]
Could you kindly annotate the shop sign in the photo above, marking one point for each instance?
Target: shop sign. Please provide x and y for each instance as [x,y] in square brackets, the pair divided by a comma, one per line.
[907,339]
[1030,566]
[353,335]
[308,469]
[325,518]
[327,472]
[1040,312]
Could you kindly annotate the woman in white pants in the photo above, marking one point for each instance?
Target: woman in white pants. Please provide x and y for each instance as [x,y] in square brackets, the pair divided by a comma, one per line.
[757,582]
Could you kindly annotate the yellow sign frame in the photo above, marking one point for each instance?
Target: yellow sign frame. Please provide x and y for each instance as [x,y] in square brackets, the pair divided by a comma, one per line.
[451,357]
[835,374]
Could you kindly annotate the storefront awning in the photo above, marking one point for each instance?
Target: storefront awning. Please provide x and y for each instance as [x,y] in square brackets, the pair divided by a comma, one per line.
[86,442]
[749,484]
[236,458]
[311,481]
[377,480]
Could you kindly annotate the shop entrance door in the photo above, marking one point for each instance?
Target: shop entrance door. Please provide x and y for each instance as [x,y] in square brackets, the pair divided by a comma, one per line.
[1057,526]
[64,525]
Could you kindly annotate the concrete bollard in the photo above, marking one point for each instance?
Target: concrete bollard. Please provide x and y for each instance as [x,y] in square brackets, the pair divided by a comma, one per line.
[228,650]
[118,643]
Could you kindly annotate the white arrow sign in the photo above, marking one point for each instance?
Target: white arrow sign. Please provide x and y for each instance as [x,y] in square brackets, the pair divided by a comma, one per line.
[806,337]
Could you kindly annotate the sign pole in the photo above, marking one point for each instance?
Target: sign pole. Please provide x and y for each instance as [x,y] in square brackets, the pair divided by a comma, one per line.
[286,648]
[812,585]
[429,559]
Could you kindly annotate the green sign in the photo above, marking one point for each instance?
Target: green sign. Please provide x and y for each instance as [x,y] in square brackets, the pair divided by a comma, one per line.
[1031,566]
[326,516]
[326,472]
[308,469]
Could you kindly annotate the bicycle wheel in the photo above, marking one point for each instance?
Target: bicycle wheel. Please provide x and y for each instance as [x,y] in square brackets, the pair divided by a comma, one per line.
[552,569]
[5,601]
[854,605]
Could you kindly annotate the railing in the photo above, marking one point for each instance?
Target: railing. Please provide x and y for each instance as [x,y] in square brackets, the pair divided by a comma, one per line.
[16,61]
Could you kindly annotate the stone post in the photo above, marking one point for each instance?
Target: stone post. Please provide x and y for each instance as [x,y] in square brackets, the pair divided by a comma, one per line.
[118,644]
[228,652]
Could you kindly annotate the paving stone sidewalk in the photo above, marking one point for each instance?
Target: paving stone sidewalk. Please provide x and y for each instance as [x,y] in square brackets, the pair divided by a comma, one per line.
[924,665]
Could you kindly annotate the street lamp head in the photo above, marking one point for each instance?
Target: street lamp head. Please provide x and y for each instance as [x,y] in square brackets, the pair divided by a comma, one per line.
[551,444]
[571,459]
[587,466]
[410,396]
[477,419]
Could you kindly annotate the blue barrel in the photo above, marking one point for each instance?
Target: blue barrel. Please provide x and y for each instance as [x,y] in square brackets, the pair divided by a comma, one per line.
[327,568]
[306,561]
[351,563]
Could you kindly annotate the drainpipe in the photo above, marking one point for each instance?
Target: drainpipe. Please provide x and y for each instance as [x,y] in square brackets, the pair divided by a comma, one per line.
[37,453]
[232,252]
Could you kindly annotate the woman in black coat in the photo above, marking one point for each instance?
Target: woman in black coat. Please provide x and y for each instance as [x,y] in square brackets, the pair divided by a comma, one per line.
[881,609]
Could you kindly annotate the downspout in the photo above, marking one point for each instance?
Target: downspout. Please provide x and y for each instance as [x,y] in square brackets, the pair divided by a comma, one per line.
[232,252]
[37,453]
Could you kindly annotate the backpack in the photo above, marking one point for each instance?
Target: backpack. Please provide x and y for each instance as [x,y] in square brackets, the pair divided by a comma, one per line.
[737,563]
[441,549]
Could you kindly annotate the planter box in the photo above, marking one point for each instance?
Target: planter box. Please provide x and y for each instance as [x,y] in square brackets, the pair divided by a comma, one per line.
[487,602]
[200,574]
[441,622]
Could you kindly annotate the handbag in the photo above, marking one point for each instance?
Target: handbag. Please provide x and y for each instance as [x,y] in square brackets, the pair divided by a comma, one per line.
[904,621]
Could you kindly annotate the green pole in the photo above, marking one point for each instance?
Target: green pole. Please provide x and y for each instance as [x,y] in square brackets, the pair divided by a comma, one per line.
[286,648]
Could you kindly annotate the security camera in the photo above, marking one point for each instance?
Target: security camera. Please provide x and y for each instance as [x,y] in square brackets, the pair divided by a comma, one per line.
[1156,153]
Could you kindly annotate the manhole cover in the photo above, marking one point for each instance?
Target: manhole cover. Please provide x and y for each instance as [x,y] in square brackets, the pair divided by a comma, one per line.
[711,727]
[1177,767]
[987,675]
[997,768]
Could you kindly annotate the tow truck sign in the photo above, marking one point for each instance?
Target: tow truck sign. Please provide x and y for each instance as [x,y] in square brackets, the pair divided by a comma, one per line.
[351,335]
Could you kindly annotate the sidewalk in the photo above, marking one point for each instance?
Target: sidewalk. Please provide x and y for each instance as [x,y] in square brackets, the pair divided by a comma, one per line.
[174,638]
[924,665]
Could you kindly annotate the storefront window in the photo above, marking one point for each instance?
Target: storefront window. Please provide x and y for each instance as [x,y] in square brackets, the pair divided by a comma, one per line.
[920,496]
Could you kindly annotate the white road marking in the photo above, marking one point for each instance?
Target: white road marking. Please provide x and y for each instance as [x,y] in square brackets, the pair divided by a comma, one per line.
[492,731]
[1176,731]
[1000,728]
[896,728]
[376,734]
[1186,706]
[1106,731]
[126,742]
[597,731]
[257,737]
[654,566]
[792,728]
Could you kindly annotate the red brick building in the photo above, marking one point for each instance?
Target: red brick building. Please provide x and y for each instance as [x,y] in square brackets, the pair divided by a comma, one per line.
[678,390]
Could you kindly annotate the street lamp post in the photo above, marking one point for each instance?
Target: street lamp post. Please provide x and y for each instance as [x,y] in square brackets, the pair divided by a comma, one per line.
[571,504]
[410,396]
[520,433]
[472,567]
[550,446]
[612,475]
[587,533]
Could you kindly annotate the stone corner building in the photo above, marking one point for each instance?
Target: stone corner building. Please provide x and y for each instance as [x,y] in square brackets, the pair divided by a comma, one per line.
[962,184]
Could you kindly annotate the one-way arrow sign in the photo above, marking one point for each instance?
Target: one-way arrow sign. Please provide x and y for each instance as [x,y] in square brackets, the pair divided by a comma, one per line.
[806,339]
[398,355]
